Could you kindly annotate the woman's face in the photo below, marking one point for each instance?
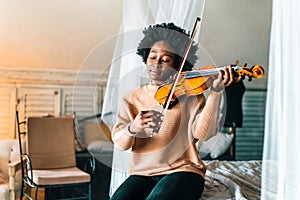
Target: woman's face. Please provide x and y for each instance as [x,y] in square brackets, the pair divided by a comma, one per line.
[160,62]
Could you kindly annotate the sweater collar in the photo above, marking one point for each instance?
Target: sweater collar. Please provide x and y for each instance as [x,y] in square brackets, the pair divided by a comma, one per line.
[152,88]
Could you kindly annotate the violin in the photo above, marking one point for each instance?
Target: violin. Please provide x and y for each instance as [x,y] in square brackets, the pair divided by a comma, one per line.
[192,83]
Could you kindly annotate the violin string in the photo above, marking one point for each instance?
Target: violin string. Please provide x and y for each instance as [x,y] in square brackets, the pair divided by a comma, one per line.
[208,72]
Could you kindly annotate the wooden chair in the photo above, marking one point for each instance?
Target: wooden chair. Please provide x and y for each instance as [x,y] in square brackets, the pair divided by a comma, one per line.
[50,161]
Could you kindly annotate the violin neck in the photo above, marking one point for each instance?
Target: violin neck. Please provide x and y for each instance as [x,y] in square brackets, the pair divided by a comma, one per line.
[207,72]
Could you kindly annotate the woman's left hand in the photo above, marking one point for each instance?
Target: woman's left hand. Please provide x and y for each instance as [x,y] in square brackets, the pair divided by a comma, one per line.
[225,78]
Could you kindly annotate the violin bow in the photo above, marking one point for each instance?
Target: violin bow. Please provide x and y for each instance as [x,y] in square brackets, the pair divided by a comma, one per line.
[182,62]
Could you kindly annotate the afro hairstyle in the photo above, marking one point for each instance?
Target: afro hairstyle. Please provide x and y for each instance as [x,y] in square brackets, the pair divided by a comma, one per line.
[175,36]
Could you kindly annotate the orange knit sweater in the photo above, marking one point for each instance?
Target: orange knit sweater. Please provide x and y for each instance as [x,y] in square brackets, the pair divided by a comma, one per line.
[173,148]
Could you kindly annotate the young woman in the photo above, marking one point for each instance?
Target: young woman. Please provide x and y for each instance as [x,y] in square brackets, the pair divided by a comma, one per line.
[166,165]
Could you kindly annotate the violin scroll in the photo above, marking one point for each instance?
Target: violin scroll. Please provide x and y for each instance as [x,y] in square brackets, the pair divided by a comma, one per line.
[256,71]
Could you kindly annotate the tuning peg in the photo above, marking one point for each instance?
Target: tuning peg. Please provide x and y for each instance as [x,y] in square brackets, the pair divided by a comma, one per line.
[250,78]
[245,65]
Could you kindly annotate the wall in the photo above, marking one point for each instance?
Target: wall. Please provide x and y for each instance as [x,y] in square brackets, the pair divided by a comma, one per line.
[61,33]
[55,33]
[240,29]
[237,29]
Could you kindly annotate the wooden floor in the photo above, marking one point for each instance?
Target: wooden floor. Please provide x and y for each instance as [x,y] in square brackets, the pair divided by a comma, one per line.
[41,195]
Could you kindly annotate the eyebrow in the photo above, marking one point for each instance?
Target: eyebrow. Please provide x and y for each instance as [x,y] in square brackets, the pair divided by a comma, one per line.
[166,54]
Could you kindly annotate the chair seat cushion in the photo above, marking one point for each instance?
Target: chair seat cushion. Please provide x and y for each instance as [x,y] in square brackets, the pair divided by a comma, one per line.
[60,176]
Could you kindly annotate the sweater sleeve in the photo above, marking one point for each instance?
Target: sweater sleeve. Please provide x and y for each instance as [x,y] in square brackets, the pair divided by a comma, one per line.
[121,137]
[206,121]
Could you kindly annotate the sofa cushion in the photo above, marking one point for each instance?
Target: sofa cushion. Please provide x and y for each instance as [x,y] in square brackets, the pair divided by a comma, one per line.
[3,179]
[9,152]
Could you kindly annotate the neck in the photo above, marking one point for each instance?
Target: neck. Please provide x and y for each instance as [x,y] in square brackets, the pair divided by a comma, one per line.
[156,83]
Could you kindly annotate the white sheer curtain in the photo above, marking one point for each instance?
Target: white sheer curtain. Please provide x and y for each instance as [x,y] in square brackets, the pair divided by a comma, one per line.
[281,175]
[127,70]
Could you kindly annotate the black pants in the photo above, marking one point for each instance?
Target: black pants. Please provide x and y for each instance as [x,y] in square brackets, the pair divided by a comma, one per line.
[178,185]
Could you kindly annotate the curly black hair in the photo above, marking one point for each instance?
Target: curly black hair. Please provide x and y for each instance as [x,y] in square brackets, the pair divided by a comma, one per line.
[175,36]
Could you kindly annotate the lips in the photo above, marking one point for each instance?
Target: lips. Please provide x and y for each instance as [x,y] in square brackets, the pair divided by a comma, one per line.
[154,71]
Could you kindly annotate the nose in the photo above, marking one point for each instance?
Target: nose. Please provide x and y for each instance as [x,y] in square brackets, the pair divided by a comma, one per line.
[156,63]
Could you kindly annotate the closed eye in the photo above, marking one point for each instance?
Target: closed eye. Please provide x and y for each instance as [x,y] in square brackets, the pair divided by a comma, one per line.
[152,56]
[165,58]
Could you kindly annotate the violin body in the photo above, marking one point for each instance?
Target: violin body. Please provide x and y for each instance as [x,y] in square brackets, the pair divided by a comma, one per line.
[192,83]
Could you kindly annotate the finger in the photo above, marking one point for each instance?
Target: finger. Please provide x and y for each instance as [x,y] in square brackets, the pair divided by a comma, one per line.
[146,119]
[226,73]
[154,119]
[141,121]
[154,115]
[238,79]
[220,77]
[229,76]
[146,113]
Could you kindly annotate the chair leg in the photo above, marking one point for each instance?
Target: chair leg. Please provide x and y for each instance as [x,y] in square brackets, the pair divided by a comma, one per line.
[35,193]
[22,190]
[90,191]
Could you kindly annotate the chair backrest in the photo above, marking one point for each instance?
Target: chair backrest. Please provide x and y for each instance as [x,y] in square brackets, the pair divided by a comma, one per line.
[50,142]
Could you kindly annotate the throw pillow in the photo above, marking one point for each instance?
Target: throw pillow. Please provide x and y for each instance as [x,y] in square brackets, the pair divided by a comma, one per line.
[100,146]
[215,146]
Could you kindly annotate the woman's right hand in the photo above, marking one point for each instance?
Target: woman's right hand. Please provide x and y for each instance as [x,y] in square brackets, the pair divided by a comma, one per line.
[146,119]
